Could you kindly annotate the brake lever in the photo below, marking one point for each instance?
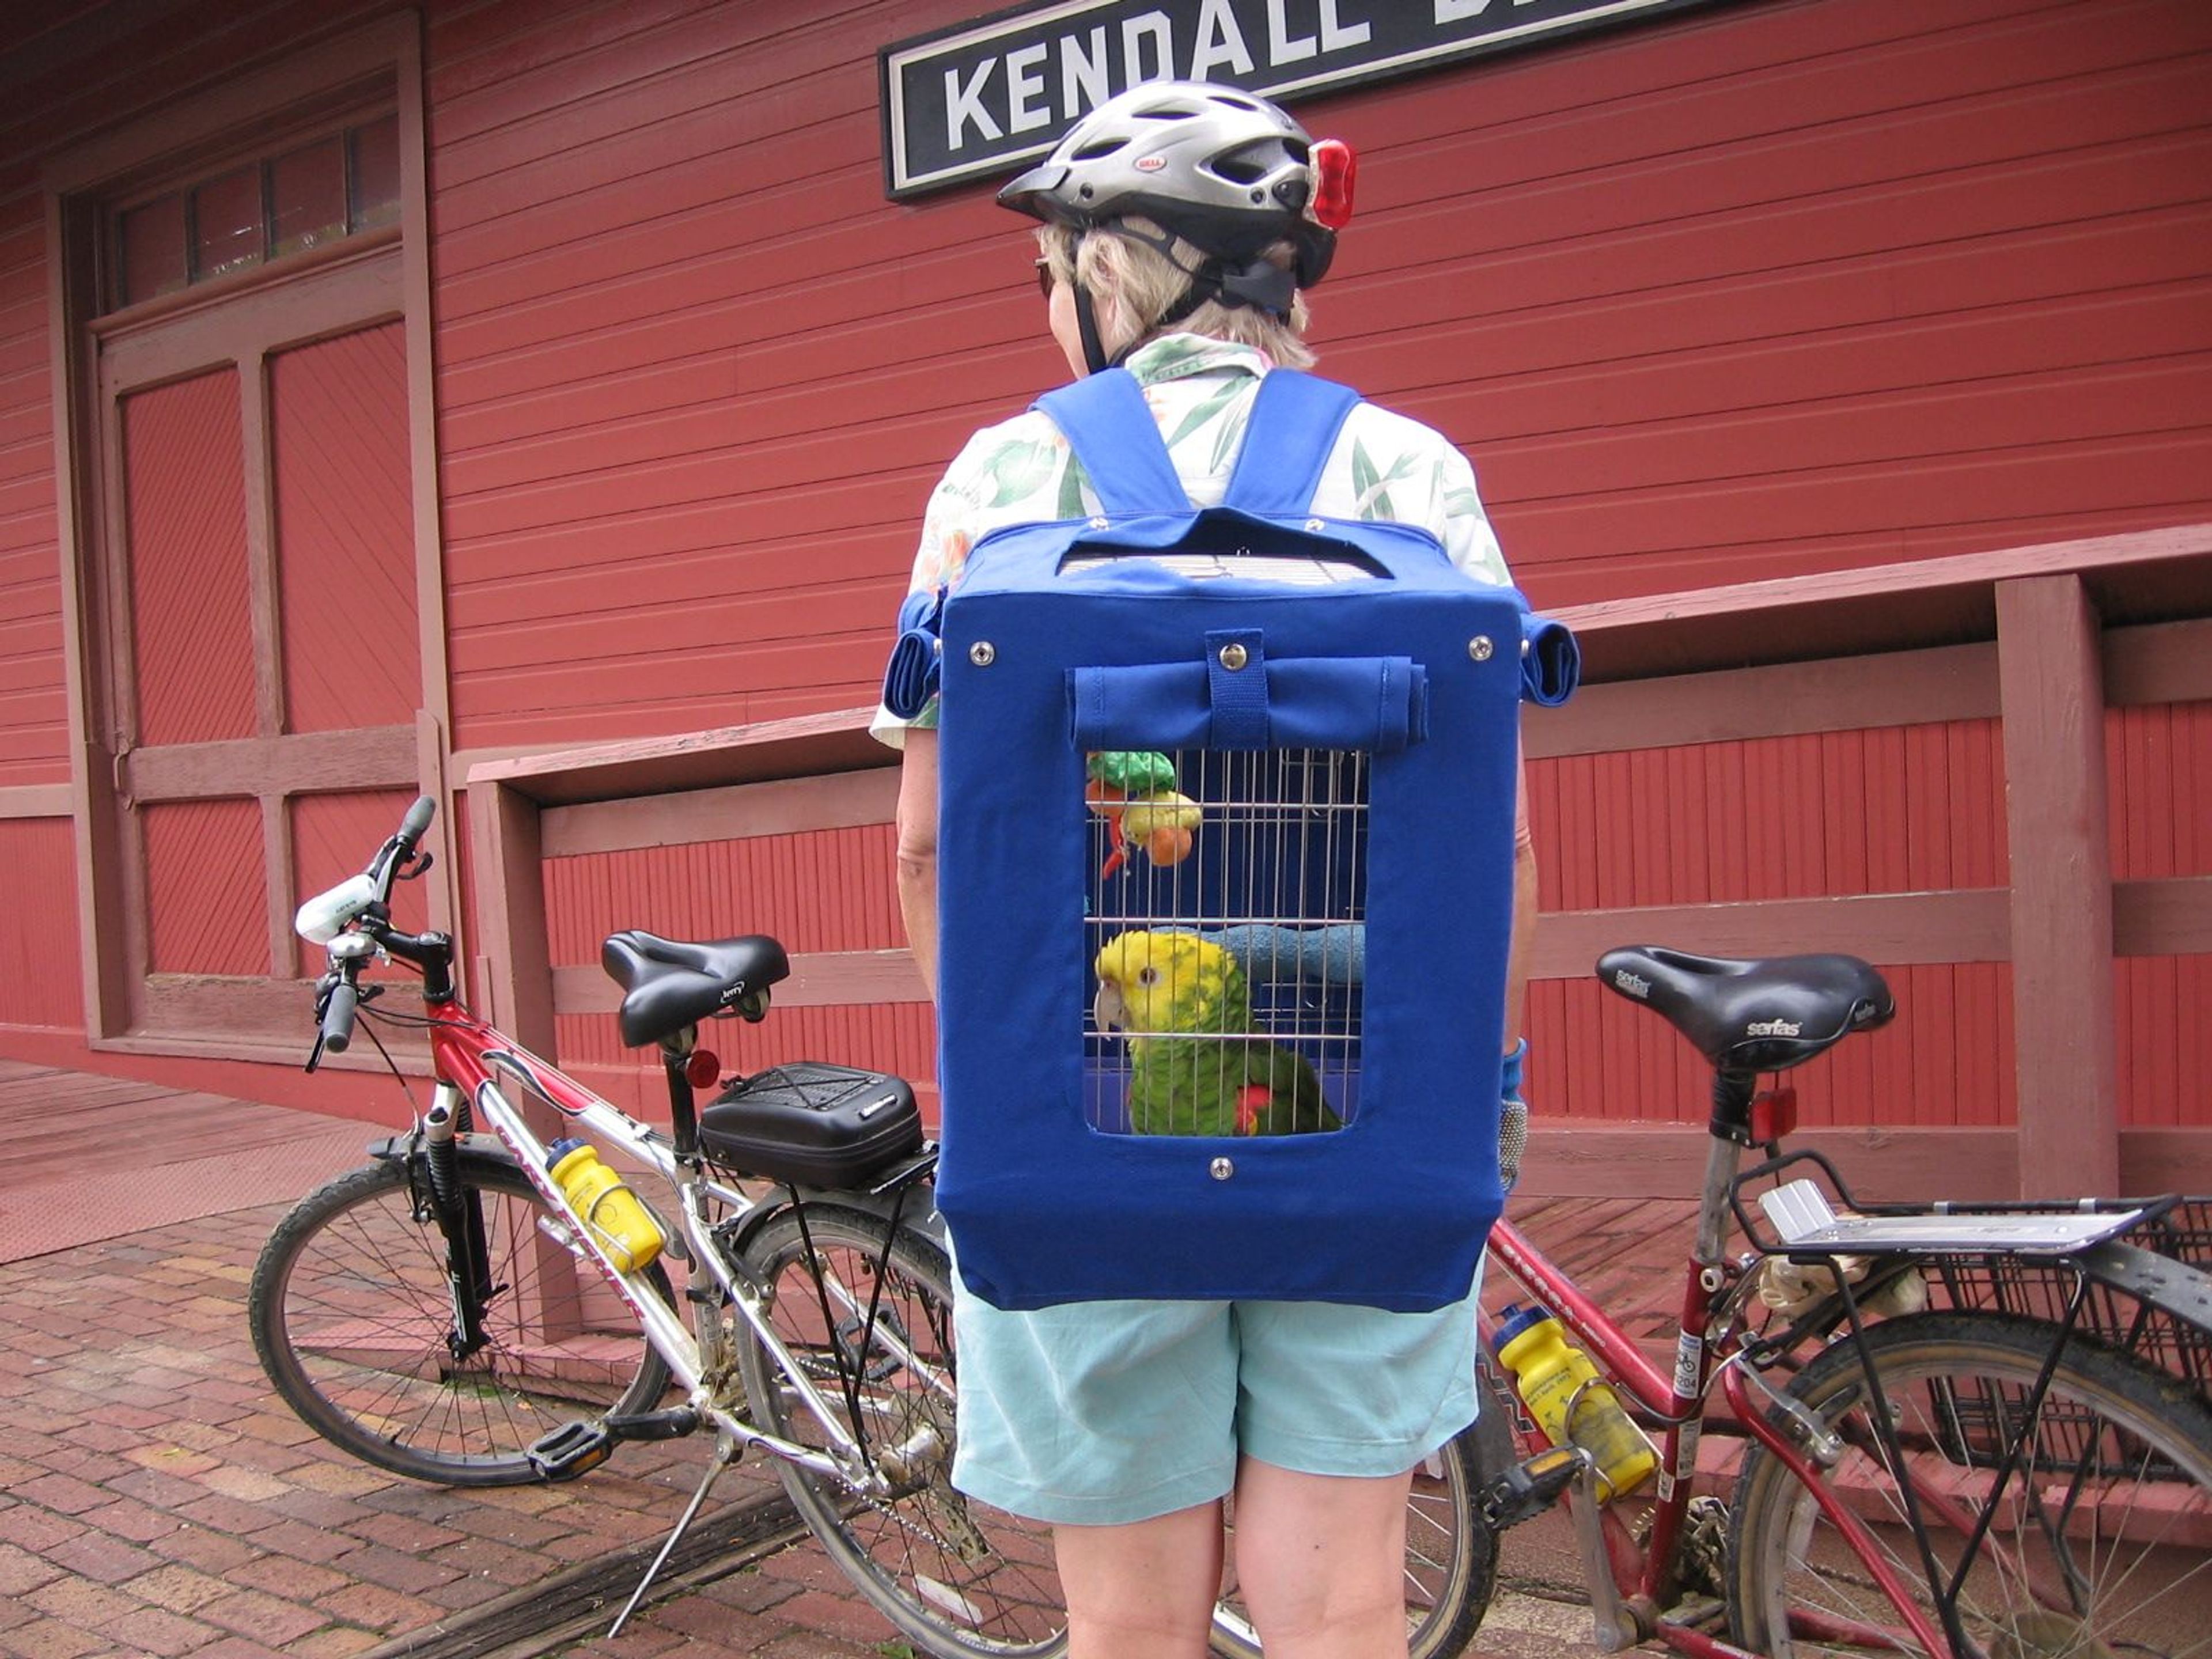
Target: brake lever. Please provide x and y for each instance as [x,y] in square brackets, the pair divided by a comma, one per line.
[414,870]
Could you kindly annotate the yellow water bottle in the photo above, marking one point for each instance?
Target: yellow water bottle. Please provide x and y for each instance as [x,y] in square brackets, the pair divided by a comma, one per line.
[1555,1376]
[630,1235]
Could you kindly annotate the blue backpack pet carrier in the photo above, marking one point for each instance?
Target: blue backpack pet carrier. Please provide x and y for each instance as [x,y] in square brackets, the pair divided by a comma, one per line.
[1225,851]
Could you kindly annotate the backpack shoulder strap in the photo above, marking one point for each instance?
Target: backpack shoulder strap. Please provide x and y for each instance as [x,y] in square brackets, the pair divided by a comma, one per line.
[1287,442]
[1111,427]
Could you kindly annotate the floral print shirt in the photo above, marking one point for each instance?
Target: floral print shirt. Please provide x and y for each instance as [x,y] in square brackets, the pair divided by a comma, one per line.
[1201,391]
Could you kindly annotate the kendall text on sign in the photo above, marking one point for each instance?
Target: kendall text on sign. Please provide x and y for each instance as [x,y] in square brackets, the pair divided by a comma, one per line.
[977,98]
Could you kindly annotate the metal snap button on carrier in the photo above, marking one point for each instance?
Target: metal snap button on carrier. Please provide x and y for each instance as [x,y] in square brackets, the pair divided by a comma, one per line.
[1233,657]
[1221,1169]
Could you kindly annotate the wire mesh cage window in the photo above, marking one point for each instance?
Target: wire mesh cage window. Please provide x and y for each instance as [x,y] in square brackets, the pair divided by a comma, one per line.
[1224,940]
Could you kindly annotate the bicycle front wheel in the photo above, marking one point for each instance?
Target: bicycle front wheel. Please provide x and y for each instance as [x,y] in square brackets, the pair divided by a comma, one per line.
[353,1318]
[874,1338]
[2099,1536]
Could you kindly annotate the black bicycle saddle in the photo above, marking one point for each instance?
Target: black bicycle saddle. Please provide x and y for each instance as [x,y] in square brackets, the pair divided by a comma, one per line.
[1765,1014]
[672,983]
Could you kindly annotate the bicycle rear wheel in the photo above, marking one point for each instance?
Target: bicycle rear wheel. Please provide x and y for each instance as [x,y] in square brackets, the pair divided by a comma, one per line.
[954,1576]
[351,1315]
[2099,1541]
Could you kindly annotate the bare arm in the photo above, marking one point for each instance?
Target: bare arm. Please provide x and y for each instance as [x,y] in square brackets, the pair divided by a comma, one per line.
[1524,911]
[917,851]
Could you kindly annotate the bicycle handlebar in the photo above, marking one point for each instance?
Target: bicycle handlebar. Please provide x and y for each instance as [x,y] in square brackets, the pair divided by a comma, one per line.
[417,821]
[338,1016]
[327,918]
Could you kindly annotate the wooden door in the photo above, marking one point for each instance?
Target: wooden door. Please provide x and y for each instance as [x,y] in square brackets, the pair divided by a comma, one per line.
[263,661]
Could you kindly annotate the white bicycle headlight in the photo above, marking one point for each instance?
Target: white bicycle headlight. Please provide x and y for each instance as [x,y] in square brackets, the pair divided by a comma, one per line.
[325,916]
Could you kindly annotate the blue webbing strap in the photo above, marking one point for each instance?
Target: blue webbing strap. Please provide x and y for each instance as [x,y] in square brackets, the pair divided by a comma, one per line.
[1239,694]
[1111,427]
[1287,442]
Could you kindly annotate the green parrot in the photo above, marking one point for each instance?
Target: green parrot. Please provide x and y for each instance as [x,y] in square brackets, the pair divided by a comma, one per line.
[1193,1067]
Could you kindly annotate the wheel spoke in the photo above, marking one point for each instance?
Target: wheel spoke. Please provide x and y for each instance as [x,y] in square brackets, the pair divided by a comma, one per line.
[353,1316]
[2096,1506]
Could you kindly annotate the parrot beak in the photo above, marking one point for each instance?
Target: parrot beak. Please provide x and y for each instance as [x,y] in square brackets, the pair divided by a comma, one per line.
[1107,1011]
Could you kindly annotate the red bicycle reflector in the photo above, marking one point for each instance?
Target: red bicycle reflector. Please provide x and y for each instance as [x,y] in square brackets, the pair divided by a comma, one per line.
[1774,1115]
[703,1069]
[1335,171]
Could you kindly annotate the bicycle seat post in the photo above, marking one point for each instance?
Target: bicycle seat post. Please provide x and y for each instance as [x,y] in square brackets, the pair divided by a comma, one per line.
[1730,1127]
[677,1049]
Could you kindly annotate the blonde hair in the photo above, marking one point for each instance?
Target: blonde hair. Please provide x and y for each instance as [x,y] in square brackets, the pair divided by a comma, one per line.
[1135,284]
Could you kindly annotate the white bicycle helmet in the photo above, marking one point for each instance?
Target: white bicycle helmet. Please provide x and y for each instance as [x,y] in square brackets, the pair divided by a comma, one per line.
[1228,172]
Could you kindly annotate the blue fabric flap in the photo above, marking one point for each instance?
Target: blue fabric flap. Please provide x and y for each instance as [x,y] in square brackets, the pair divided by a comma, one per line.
[1551,661]
[1380,704]
[910,677]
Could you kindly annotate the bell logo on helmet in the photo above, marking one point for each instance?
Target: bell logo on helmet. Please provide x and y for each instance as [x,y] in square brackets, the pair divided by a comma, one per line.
[1149,163]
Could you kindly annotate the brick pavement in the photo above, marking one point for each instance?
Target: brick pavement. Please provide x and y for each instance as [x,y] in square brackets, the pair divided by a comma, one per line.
[156,1499]
[159,1501]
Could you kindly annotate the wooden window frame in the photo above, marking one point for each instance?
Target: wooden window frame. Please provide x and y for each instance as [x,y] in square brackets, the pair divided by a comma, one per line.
[333,80]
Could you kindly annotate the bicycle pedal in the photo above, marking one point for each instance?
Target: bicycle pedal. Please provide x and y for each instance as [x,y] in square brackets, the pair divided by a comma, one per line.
[572,1449]
[1526,1490]
[671,1424]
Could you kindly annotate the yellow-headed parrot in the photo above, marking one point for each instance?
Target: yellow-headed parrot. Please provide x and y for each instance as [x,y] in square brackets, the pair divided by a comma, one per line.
[1195,1067]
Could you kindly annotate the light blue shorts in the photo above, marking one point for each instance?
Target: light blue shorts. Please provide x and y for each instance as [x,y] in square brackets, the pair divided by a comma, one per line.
[1095,1413]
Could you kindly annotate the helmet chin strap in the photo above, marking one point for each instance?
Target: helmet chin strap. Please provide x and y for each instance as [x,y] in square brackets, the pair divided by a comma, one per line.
[1086,324]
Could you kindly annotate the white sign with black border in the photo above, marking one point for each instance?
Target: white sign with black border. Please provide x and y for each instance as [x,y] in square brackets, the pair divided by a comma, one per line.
[978,98]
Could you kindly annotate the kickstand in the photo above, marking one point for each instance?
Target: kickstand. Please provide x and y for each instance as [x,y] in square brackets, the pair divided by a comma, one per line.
[725,1453]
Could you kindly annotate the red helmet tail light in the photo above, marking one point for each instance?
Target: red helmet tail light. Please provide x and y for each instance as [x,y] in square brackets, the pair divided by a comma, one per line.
[1335,171]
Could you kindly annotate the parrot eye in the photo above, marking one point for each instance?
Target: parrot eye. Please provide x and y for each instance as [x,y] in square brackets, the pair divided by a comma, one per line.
[1148,976]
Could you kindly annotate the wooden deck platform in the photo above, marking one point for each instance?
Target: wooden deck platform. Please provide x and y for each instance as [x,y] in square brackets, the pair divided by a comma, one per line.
[91,1157]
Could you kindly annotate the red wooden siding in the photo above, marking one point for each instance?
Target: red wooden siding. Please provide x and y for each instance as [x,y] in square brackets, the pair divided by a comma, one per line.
[34,710]
[346,556]
[38,978]
[191,607]
[1899,810]
[822,891]
[2159,763]
[1793,287]
[208,914]
[1904,809]
[1765,289]
[1773,287]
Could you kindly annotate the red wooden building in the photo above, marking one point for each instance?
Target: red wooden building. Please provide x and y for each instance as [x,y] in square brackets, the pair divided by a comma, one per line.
[533,401]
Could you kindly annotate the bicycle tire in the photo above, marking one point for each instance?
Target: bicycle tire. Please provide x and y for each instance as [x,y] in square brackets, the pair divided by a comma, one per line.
[1451,1557]
[350,1311]
[955,1577]
[2046,1581]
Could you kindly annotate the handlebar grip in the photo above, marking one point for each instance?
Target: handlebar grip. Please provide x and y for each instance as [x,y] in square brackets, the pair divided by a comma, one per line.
[337,1016]
[411,827]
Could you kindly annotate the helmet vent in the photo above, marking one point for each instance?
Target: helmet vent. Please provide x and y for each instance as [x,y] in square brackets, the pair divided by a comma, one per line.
[1103,147]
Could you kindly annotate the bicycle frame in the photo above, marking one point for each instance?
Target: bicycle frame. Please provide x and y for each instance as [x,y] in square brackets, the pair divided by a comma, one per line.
[1630,1572]
[477,1063]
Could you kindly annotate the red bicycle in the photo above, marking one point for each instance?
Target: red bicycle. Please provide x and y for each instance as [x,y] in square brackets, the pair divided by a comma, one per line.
[1948,1440]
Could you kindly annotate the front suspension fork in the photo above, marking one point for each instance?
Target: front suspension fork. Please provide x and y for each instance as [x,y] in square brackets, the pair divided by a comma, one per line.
[457,1209]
